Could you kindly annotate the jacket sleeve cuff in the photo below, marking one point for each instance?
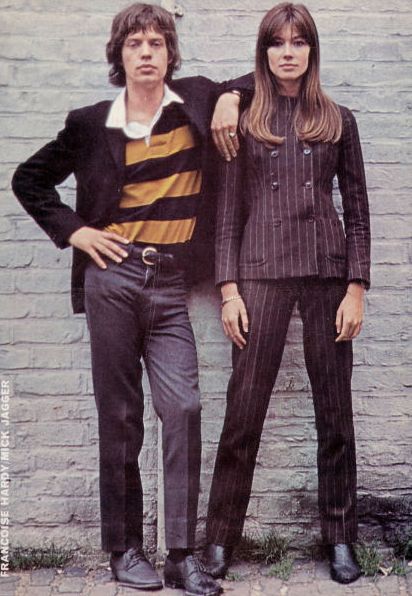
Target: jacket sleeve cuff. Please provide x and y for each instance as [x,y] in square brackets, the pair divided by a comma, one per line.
[65,229]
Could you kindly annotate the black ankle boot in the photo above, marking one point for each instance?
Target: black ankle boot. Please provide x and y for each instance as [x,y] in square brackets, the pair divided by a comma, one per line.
[217,559]
[344,567]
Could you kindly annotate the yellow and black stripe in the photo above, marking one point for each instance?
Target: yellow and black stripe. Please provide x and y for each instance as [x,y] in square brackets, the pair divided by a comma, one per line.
[162,184]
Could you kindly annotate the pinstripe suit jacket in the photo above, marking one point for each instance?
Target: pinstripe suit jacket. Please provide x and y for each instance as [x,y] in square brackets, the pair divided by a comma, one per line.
[276,218]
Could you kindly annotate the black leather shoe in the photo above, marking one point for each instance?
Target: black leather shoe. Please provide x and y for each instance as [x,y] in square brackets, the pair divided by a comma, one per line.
[190,575]
[132,569]
[344,567]
[217,559]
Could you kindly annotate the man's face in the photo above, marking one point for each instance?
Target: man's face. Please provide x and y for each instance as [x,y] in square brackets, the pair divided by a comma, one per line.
[145,58]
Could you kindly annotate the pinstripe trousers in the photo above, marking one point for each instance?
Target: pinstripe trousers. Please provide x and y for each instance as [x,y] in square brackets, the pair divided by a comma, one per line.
[329,365]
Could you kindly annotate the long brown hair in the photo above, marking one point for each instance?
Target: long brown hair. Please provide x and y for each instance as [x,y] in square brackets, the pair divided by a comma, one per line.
[316,117]
[135,18]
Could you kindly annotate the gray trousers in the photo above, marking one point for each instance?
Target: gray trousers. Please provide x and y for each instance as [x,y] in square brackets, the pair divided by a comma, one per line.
[137,311]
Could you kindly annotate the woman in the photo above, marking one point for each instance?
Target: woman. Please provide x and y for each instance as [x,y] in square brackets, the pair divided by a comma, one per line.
[280,242]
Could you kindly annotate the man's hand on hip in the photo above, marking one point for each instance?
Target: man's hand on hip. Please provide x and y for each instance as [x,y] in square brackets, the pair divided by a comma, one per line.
[97,242]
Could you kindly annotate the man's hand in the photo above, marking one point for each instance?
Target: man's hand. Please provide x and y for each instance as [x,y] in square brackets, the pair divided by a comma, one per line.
[234,313]
[224,125]
[349,317]
[97,242]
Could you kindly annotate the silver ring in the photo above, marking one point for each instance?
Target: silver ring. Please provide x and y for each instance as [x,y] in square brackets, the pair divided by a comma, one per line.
[232,134]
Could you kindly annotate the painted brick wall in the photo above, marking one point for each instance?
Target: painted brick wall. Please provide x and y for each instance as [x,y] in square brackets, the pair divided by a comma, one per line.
[51,60]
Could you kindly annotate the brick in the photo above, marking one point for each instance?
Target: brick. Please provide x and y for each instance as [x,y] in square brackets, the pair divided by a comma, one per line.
[50,383]
[81,358]
[5,333]
[67,409]
[27,229]
[23,462]
[51,357]
[49,332]
[62,434]
[389,276]
[53,75]
[15,255]
[64,25]
[51,485]
[52,306]
[9,207]
[392,253]
[377,302]
[50,511]
[384,406]
[50,257]
[42,281]
[71,458]
[386,379]
[378,355]
[14,358]
[7,282]
[13,307]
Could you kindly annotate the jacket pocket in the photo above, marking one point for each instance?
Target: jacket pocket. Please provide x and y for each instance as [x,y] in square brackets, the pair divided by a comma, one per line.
[259,241]
[334,240]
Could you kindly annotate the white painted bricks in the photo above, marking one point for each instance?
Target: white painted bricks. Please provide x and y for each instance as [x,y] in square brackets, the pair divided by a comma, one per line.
[51,60]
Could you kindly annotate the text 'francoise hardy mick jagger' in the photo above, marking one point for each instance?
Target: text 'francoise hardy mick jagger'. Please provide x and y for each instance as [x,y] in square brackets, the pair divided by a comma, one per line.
[4,477]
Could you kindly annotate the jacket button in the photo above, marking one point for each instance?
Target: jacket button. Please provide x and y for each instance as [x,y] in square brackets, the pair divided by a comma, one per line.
[307,151]
[310,219]
[275,185]
[274,153]
[308,185]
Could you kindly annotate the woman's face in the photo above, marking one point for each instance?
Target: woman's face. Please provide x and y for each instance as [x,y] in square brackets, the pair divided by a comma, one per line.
[288,58]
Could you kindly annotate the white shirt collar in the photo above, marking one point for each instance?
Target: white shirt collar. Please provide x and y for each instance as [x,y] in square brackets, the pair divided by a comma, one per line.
[136,130]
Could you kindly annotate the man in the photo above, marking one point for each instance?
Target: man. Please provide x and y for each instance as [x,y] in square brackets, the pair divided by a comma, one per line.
[143,221]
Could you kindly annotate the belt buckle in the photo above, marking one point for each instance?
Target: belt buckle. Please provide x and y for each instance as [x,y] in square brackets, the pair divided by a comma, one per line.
[146,252]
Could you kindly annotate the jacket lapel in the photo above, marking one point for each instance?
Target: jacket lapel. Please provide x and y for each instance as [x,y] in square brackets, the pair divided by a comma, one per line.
[116,142]
[190,108]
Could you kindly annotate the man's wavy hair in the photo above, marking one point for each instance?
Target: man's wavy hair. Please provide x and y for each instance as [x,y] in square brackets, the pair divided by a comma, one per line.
[135,18]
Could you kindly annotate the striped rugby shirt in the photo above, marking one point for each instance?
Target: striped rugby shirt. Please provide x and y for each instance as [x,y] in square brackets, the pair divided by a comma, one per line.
[163,178]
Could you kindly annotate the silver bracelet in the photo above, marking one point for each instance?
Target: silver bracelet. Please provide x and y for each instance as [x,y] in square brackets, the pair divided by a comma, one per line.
[226,300]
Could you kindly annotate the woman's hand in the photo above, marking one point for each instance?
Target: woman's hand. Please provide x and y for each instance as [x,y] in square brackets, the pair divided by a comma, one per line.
[97,242]
[234,315]
[224,125]
[349,317]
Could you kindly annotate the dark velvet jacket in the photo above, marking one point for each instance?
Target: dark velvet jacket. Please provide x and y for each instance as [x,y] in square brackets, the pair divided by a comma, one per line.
[95,154]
